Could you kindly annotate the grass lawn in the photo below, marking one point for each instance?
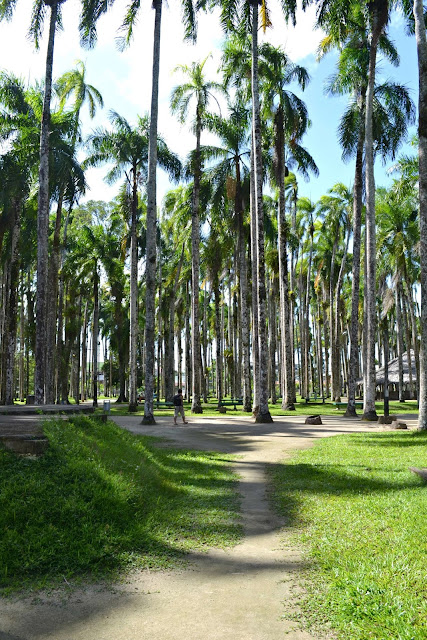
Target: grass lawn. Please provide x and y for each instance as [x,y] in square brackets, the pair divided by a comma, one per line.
[360,516]
[301,409]
[102,501]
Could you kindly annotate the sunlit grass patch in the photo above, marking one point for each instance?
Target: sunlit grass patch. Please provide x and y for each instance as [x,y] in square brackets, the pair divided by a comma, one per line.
[102,500]
[361,518]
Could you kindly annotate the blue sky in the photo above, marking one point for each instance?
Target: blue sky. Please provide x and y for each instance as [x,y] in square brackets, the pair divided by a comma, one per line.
[124,79]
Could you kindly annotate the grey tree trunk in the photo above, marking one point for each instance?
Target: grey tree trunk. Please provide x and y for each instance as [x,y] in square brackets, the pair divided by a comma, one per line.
[95,333]
[400,347]
[244,310]
[151,224]
[9,336]
[133,337]
[285,324]
[337,331]
[169,346]
[196,406]
[263,413]
[355,284]
[420,33]
[255,333]
[84,352]
[369,412]
[43,220]
[52,309]
[333,329]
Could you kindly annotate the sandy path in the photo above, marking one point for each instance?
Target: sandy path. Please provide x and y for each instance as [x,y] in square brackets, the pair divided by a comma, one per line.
[235,594]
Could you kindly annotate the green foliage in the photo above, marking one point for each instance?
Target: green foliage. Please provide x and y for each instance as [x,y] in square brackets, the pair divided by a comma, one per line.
[360,515]
[102,500]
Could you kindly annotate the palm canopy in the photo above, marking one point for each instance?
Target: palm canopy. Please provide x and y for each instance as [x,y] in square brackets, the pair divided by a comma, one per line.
[127,147]
[73,84]
[393,111]
[197,91]
[20,119]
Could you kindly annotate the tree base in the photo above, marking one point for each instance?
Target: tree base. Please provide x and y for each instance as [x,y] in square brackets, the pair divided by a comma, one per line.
[350,413]
[255,411]
[122,398]
[288,406]
[264,418]
[133,407]
[197,409]
[148,419]
[370,416]
[247,407]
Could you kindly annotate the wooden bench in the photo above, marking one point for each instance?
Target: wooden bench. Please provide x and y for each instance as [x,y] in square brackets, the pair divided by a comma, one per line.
[314,396]
[343,405]
[233,402]
[163,405]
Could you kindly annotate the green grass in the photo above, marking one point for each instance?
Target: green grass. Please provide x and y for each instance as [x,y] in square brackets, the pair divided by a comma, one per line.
[102,501]
[301,409]
[360,516]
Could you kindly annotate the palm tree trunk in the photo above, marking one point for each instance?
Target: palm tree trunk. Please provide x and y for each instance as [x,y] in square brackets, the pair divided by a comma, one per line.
[133,337]
[264,413]
[84,352]
[255,333]
[355,284]
[95,335]
[151,223]
[9,336]
[52,310]
[243,292]
[369,412]
[337,332]
[420,33]
[285,328]
[169,346]
[43,220]
[196,406]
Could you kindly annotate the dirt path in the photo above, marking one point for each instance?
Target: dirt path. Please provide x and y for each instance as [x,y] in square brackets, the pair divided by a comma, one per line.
[236,594]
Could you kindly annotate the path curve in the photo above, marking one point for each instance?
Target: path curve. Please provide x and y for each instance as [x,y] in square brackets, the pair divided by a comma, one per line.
[233,594]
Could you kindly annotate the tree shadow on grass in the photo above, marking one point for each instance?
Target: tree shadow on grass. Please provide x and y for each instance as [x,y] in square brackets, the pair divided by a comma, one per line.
[102,500]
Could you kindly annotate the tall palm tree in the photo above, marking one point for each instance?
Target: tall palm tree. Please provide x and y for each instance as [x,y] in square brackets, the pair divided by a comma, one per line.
[391,110]
[230,169]
[88,34]
[199,91]
[189,12]
[290,124]
[420,32]
[127,148]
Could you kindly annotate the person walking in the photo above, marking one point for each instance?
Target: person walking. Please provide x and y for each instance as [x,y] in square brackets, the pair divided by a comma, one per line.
[178,402]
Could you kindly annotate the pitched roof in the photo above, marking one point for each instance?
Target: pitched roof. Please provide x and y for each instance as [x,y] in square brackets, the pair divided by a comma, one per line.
[393,370]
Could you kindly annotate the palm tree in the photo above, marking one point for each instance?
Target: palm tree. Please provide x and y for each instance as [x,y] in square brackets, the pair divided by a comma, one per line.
[290,124]
[200,91]
[391,110]
[335,209]
[190,33]
[227,176]
[88,33]
[127,148]
[418,9]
